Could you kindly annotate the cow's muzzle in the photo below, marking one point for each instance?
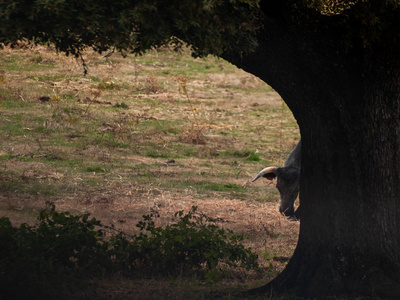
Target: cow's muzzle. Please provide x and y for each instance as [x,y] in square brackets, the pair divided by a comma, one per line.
[288,212]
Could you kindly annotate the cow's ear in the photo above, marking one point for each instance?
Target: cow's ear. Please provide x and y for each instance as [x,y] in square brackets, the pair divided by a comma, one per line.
[270,176]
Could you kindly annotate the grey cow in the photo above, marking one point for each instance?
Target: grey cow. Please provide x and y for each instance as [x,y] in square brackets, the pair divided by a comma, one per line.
[288,182]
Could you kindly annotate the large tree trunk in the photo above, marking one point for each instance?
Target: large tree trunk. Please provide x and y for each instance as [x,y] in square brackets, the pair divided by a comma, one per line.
[347,104]
[350,190]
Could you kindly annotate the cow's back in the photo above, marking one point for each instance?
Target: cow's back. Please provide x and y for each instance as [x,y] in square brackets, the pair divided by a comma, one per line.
[294,158]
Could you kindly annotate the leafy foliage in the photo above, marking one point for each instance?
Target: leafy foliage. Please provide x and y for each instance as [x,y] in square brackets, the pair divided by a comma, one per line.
[60,254]
[35,260]
[366,20]
[230,28]
[188,246]
[131,25]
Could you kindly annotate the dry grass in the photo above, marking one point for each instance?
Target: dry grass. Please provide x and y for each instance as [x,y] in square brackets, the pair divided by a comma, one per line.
[186,135]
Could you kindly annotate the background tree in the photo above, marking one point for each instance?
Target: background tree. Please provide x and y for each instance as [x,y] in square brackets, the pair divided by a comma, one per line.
[337,66]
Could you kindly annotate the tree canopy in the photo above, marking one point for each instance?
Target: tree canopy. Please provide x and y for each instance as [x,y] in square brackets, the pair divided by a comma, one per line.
[208,26]
[134,26]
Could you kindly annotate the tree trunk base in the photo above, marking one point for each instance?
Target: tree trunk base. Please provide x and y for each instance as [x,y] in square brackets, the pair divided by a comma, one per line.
[310,281]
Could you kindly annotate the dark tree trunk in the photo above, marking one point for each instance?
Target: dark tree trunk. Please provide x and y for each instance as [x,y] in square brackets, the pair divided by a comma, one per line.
[347,104]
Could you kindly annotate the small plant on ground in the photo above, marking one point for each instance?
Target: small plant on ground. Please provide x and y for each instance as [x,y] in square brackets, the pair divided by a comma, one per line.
[121,105]
[106,84]
[253,156]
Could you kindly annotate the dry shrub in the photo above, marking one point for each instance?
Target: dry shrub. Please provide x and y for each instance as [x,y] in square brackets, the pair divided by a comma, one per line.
[194,135]
[152,86]
[22,44]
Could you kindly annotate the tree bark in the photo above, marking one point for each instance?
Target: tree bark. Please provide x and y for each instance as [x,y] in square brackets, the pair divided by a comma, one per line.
[347,104]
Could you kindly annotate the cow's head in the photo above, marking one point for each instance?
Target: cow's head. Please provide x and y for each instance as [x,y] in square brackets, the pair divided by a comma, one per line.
[288,184]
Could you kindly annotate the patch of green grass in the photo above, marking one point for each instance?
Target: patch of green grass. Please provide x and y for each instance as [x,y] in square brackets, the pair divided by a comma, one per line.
[12,101]
[20,63]
[14,126]
[109,139]
[42,129]
[96,169]
[105,85]
[253,156]
[91,182]
[246,154]
[69,97]
[154,153]
[29,185]
[121,105]
[52,77]
[172,150]
[204,186]
[43,188]
[236,153]
[94,79]
[37,59]
[57,159]
[174,130]
[164,125]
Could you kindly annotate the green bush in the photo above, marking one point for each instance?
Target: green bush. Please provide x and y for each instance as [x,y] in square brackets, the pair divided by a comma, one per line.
[59,255]
[191,245]
[51,257]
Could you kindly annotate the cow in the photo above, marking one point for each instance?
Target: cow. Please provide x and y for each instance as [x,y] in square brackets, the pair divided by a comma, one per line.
[288,182]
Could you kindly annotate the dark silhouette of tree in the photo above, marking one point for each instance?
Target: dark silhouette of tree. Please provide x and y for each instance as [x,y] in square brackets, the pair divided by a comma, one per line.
[337,66]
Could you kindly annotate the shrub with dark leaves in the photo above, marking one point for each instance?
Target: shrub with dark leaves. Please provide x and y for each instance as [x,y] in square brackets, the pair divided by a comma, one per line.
[58,256]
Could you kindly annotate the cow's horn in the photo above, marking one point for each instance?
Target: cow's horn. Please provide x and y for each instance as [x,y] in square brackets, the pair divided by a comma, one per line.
[265,171]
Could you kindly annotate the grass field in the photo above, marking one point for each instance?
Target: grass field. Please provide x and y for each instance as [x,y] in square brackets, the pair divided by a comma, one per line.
[159,132]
